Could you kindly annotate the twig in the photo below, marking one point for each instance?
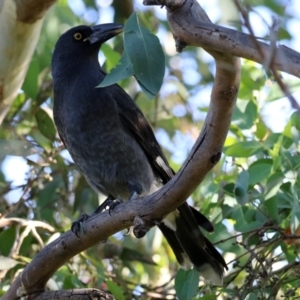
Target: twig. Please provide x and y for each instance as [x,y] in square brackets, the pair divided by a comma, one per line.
[268,59]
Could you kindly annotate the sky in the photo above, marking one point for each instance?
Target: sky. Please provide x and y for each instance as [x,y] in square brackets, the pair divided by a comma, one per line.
[15,168]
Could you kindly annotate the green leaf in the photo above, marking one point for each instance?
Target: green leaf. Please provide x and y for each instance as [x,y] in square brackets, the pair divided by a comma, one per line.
[251,113]
[251,296]
[8,235]
[229,188]
[259,170]
[245,114]
[16,147]
[146,56]
[68,282]
[295,216]
[273,184]
[47,198]
[30,85]
[208,297]
[276,92]
[116,290]
[241,187]
[121,71]
[295,120]
[186,284]
[85,197]
[253,78]
[45,124]
[283,34]
[271,206]
[17,105]
[40,139]
[261,129]
[243,149]
[112,56]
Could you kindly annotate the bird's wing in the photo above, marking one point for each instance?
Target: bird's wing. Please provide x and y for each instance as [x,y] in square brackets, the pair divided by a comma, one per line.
[187,239]
[134,120]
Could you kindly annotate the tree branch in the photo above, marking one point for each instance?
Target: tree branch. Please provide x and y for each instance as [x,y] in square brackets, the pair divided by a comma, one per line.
[76,294]
[195,30]
[204,155]
[269,58]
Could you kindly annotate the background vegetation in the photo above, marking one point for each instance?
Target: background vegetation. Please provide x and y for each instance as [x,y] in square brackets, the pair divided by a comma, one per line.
[251,196]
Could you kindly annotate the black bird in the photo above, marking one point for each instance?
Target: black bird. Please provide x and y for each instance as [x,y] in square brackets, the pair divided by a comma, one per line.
[114,146]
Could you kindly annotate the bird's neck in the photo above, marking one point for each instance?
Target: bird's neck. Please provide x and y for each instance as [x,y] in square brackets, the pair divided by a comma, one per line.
[75,86]
[74,70]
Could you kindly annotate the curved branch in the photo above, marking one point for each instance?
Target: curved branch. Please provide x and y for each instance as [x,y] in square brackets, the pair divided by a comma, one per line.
[204,155]
[76,294]
[23,222]
[194,31]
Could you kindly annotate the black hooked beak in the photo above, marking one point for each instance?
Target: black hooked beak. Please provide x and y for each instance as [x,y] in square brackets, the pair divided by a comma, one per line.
[103,32]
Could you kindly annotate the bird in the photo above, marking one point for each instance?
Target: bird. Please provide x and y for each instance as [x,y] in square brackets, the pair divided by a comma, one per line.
[114,146]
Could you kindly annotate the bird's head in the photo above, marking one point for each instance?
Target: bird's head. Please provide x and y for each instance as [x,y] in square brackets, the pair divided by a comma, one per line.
[87,37]
[82,41]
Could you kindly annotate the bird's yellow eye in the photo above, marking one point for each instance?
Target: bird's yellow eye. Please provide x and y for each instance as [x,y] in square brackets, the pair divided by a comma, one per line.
[77,36]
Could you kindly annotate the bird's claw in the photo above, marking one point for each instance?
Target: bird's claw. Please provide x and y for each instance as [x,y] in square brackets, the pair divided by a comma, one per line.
[113,203]
[110,202]
[141,227]
[133,196]
[127,232]
[78,226]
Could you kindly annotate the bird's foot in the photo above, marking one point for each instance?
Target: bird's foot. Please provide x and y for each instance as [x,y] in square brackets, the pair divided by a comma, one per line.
[133,196]
[126,232]
[114,203]
[141,226]
[109,203]
[78,226]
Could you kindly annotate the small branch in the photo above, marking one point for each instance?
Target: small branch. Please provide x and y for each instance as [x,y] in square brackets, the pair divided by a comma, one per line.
[77,294]
[33,223]
[268,57]
[286,268]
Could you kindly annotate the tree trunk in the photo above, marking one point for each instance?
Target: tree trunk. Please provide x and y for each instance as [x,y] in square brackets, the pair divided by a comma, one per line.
[20,26]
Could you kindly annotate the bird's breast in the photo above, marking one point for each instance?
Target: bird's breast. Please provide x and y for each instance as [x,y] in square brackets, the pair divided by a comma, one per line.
[110,158]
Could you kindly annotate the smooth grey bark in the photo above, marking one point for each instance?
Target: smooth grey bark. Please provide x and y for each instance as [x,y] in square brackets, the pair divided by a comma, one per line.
[20,26]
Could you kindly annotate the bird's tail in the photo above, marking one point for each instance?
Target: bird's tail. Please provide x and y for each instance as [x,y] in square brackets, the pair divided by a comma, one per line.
[191,247]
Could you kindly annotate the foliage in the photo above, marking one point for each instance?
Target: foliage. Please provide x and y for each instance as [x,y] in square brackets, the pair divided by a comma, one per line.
[143,57]
[251,196]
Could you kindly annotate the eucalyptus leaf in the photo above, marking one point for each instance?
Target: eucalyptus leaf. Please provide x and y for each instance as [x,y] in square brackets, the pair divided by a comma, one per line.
[146,56]
[45,124]
[186,284]
[121,71]
[260,170]
[251,296]
[241,187]
[243,149]
[116,290]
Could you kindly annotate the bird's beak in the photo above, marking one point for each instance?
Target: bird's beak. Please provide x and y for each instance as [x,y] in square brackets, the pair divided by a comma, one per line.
[103,32]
